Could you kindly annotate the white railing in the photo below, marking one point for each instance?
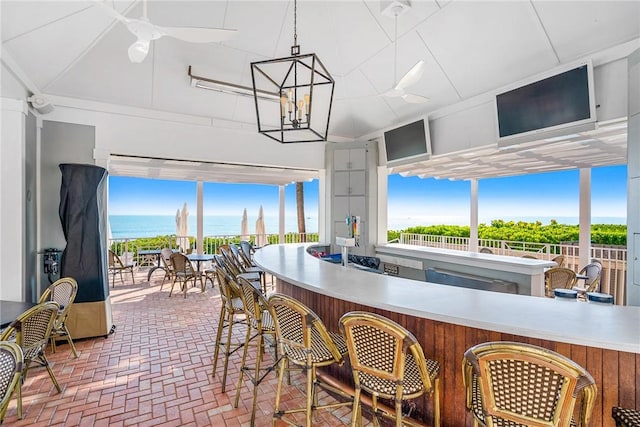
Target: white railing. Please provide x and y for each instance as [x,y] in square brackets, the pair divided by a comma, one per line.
[613,259]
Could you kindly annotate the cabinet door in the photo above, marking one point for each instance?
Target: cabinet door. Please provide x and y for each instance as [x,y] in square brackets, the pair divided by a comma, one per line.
[357,183]
[358,206]
[341,183]
[340,208]
[341,160]
[358,158]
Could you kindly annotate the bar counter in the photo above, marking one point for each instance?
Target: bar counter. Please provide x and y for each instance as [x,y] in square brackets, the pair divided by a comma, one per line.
[447,320]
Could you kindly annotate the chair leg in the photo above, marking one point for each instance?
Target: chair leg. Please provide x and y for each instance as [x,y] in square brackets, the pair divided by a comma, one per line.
[436,403]
[45,362]
[309,395]
[256,381]
[227,351]
[173,283]
[242,365]
[70,341]
[355,411]
[216,351]
[19,398]
[284,365]
[133,278]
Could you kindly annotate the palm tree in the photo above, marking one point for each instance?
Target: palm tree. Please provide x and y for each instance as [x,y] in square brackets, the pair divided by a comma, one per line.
[302,230]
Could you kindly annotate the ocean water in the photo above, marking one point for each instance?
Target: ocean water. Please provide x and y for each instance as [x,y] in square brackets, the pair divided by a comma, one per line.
[129,226]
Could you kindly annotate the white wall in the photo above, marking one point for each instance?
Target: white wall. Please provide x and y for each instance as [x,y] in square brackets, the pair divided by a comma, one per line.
[10,87]
[12,190]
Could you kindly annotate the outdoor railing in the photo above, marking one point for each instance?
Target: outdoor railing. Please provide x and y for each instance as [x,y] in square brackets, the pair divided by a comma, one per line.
[613,259]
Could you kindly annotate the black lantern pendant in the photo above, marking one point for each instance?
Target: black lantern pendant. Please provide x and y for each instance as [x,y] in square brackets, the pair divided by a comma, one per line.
[300,92]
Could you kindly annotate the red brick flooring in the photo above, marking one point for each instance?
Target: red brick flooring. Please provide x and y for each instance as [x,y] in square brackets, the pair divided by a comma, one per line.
[155,370]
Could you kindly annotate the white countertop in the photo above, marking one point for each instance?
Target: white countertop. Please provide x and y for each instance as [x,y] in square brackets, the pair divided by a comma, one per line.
[601,326]
[472,259]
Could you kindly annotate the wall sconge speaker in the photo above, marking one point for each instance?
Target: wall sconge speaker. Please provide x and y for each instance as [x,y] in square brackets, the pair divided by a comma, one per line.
[41,103]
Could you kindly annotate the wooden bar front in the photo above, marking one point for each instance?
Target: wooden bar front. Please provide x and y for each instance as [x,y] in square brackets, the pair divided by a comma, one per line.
[616,373]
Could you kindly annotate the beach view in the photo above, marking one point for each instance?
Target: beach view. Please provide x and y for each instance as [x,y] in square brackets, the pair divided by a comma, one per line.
[146,207]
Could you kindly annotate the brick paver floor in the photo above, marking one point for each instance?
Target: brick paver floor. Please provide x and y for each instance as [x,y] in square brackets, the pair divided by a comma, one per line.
[155,370]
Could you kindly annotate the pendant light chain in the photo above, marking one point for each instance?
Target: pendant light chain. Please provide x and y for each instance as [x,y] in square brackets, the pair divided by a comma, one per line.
[295,22]
[395,52]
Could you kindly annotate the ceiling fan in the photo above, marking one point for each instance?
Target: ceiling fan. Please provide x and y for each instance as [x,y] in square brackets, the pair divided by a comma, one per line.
[145,31]
[411,77]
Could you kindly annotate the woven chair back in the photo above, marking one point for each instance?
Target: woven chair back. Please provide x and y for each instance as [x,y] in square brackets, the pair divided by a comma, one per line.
[380,350]
[165,256]
[228,288]
[300,332]
[241,256]
[522,384]
[230,262]
[181,264]
[32,329]
[594,272]
[255,304]
[559,259]
[559,277]
[247,248]
[63,291]
[10,371]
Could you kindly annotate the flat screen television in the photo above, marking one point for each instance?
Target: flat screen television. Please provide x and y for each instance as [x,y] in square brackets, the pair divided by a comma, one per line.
[408,143]
[560,103]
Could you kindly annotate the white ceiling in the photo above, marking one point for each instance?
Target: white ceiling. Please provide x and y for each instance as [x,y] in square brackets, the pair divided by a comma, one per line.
[74,49]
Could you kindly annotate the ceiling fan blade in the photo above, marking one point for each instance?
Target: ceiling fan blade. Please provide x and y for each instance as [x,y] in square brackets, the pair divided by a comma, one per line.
[414,99]
[394,93]
[412,76]
[111,11]
[197,35]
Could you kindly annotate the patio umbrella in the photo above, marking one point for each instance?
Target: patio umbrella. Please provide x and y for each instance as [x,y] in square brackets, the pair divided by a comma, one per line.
[261,232]
[244,226]
[182,228]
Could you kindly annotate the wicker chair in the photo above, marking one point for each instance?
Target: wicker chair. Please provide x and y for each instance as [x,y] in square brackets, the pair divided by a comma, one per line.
[261,330]
[388,362]
[235,269]
[625,417]
[183,271]
[231,313]
[117,266]
[529,256]
[165,258]
[514,384]
[486,251]
[558,277]
[594,273]
[305,342]
[63,291]
[559,260]
[31,331]
[11,360]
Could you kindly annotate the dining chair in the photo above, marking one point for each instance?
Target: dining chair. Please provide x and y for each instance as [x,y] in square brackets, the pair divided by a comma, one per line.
[593,272]
[31,331]
[559,260]
[183,271]
[558,277]
[387,362]
[117,266]
[486,251]
[231,314]
[260,332]
[11,360]
[165,258]
[517,384]
[63,291]
[305,344]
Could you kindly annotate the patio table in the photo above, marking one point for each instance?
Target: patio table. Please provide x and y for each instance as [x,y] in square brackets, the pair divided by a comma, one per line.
[198,258]
[157,253]
[10,310]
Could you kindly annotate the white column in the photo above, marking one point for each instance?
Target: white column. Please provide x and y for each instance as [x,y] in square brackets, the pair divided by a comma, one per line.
[199,219]
[383,209]
[585,217]
[473,217]
[12,190]
[324,207]
[633,182]
[281,214]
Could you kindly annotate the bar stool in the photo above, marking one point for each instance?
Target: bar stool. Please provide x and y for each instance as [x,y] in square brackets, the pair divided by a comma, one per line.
[305,342]
[261,325]
[231,313]
[388,362]
[625,417]
[509,383]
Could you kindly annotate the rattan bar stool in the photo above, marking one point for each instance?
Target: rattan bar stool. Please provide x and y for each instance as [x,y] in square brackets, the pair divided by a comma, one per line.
[305,342]
[231,314]
[388,362]
[261,325]
[625,417]
[516,384]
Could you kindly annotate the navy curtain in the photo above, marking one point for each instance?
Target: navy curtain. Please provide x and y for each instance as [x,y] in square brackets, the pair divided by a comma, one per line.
[82,214]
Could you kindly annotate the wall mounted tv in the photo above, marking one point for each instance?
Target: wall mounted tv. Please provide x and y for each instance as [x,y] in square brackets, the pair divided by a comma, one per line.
[408,143]
[560,104]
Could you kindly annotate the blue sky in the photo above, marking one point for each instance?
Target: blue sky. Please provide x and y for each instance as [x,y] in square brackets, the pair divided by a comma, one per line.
[411,200]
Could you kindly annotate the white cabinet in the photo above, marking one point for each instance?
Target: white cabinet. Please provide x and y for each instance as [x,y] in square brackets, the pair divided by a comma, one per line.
[349,193]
